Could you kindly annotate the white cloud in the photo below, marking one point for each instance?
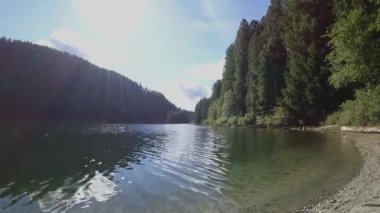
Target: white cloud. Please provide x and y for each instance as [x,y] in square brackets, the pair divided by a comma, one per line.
[196,84]
[194,92]
[68,40]
[132,38]
[215,19]
[112,18]
[184,93]
[211,71]
[110,28]
[209,8]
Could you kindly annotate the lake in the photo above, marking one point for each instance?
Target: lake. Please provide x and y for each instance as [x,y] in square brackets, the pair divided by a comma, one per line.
[169,168]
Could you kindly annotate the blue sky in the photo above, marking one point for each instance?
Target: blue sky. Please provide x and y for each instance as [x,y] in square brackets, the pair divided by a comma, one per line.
[173,46]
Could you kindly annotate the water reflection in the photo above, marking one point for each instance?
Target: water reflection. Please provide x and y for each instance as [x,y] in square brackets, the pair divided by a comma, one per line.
[166,168]
[98,187]
[60,167]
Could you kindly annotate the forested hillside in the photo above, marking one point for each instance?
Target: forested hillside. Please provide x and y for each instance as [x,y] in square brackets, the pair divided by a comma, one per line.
[39,83]
[305,61]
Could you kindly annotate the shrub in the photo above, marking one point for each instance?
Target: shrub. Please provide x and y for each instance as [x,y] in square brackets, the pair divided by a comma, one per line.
[363,111]
[233,121]
[222,121]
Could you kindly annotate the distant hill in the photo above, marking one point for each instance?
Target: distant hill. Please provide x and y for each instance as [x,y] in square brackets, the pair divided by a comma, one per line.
[40,83]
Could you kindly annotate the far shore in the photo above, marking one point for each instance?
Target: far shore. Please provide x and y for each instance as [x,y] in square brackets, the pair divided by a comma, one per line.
[362,193]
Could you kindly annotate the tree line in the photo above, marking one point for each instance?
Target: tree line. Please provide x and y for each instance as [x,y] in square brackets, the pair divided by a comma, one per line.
[304,62]
[42,84]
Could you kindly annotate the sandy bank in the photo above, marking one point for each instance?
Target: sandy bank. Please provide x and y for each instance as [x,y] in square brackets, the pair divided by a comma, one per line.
[362,194]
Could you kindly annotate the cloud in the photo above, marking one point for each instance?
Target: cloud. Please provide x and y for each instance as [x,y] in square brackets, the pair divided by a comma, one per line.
[209,8]
[196,83]
[147,41]
[210,71]
[66,48]
[183,92]
[196,92]
[215,19]
[70,41]
[112,18]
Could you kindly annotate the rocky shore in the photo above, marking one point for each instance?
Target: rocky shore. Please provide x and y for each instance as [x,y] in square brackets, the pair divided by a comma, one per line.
[362,194]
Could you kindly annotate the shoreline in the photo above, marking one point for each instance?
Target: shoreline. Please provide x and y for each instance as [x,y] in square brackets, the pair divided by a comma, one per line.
[362,193]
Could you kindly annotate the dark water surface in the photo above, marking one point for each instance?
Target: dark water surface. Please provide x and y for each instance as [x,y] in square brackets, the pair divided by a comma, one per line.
[168,168]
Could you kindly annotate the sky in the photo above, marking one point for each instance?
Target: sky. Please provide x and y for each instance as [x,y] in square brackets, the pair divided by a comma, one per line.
[176,47]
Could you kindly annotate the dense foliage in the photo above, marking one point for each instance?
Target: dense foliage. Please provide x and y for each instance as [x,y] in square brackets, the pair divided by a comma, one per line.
[39,83]
[298,64]
[363,111]
[201,110]
[355,41]
[179,117]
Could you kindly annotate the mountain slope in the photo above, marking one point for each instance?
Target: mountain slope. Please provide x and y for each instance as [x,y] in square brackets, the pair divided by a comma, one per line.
[40,83]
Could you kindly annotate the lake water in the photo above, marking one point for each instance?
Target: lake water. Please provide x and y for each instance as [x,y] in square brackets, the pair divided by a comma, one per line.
[169,168]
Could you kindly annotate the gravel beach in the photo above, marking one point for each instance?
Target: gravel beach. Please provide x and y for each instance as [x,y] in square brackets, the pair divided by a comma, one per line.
[362,194]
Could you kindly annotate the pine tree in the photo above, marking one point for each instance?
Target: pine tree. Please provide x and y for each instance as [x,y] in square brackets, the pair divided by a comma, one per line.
[216,90]
[241,66]
[229,70]
[273,58]
[306,88]
[253,55]
[201,110]
[229,103]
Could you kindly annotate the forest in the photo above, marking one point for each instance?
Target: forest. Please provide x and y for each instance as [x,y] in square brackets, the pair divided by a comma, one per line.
[306,62]
[42,84]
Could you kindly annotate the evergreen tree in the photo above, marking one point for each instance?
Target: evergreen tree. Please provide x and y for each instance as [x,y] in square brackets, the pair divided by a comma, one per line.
[179,117]
[267,61]
[273,58]
[229,103]
[229,70]
[306,88]
[253,56]
[216,90]
[241,66]
[42,84]
[277,71]
[201,110]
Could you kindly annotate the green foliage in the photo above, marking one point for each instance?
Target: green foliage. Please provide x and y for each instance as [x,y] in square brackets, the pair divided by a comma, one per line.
[277,118]
[241,66]
[267,61]
[233,121]
[297,65]
[221,121]
[228,108]
[201,110]
[255,46]
[355,43]
[213,112]
[248,119]
[363,111]
[216,90]
[306,90]
[229,70]
[179,117]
